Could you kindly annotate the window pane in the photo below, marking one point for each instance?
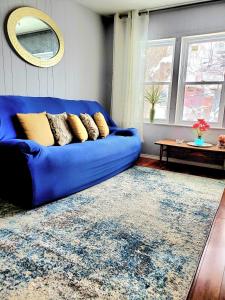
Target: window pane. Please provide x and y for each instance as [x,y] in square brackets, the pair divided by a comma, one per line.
[159,61]
[161,106]
[202,101]
[206,61]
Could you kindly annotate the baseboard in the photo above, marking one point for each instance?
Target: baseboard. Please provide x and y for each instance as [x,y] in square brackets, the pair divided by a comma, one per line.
[184,162]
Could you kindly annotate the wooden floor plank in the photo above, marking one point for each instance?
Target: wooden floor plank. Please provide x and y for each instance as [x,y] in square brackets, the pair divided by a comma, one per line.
[209,280]
[222,288]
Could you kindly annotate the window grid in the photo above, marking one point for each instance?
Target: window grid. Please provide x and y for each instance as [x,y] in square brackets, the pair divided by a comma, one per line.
[182,84]
[168,84]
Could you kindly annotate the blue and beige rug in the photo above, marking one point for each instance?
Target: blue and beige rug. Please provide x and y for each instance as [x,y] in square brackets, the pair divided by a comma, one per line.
[137,236]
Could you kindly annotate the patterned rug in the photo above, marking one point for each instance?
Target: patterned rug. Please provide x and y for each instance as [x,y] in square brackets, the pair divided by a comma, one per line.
[138,235]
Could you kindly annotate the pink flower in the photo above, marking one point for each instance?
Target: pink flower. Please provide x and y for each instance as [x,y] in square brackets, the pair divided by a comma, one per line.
[200,126]
[196,125]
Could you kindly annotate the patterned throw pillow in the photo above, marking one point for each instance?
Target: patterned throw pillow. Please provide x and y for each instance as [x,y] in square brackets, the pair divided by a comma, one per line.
[90,125]
[102,125]
[60,128]
[77,127]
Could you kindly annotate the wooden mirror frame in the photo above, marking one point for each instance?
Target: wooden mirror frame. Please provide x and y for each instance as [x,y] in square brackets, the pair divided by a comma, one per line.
[18,14]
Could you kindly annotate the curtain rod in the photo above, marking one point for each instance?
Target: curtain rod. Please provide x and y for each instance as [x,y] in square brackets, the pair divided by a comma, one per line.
[148,11]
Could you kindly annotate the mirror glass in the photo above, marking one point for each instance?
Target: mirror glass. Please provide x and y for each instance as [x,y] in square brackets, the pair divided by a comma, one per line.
[37,37]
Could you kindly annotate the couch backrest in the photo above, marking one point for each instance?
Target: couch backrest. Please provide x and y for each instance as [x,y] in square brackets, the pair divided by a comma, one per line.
[10,105]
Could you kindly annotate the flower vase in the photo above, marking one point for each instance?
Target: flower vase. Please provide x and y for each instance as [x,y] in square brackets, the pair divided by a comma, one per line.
[152,114]
[199,141]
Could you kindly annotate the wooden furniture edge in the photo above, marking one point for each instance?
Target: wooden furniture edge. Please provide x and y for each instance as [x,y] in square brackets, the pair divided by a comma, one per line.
[205,286]
[184,145]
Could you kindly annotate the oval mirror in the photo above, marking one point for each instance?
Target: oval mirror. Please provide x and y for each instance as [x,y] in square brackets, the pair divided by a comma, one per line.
[35,37]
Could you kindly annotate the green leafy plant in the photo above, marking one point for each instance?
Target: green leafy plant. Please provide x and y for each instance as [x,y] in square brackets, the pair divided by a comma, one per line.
[152,95]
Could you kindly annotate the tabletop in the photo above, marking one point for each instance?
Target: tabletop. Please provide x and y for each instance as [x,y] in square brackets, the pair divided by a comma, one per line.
[184,145]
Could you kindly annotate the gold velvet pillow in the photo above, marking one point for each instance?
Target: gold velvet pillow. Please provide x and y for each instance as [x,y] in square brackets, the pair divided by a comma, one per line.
[77,127]
[101,124]
[36,127]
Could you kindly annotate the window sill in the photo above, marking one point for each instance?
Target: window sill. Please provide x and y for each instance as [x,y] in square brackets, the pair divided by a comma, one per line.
[177,125]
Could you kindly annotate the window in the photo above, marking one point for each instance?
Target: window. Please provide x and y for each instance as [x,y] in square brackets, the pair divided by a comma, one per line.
[158,73]
[201,80]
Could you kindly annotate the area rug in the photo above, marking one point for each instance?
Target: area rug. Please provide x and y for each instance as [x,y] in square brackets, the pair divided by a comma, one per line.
[138,235]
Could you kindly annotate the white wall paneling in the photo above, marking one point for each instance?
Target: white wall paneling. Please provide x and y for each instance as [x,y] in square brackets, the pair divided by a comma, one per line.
[80,73]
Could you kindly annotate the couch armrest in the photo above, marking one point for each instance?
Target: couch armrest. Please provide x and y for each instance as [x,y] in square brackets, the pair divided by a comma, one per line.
[112,128]
[24,146]
[124,131]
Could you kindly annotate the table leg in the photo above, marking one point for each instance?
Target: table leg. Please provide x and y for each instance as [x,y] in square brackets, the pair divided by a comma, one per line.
[167,155]
[161,154]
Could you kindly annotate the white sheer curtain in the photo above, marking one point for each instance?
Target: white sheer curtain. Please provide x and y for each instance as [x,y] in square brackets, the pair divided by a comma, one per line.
[130,36]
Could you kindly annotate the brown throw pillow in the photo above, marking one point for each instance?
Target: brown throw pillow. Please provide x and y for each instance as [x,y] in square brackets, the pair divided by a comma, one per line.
[60,128]
[90,125]
[77,127]
[36,127]
[102,125]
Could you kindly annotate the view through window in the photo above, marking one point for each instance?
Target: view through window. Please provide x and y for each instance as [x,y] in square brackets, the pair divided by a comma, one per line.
[158,73]
[201,79]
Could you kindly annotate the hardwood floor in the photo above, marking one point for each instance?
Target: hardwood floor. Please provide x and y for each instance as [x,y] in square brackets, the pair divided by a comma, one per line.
[182,168]
[209,280]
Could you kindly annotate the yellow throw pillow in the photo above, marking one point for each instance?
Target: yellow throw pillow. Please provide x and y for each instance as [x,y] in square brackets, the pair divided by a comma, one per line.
[36,127]
[77,127]
[102,125]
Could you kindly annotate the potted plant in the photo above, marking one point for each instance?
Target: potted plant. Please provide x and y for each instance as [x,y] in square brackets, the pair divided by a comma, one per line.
[152,95]
[200,127]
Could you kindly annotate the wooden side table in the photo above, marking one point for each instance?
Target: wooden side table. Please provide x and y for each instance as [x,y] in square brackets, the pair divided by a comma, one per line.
[167,145]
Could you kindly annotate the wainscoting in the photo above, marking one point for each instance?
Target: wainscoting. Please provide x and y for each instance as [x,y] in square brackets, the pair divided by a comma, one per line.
[80,73]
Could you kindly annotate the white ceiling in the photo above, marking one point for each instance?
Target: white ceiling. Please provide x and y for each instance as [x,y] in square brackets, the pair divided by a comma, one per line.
[30,24]
[106,7]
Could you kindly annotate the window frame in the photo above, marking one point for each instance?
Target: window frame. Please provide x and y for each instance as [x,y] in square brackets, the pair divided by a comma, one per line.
[162,42]
[185,43]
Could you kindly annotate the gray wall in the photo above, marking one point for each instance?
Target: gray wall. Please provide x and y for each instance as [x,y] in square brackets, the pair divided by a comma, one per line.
[199,19]
[108,27]
[80,73]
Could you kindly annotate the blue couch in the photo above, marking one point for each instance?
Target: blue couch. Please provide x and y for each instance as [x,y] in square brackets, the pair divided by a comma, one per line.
[32,175]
